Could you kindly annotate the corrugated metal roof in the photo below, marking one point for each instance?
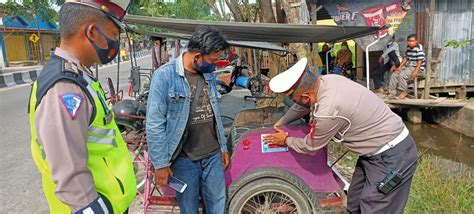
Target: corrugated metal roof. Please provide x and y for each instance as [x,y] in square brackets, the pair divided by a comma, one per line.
[453,20]
[22,22]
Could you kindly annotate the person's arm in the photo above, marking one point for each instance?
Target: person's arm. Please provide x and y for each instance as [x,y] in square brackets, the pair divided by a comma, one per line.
[402,64]
[157,107]
[325,129]
[295,112]
[417,69]
[62,121]
[420,57]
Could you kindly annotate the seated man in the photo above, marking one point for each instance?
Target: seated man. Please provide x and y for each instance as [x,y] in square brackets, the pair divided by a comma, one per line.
[412,66]
[389,60]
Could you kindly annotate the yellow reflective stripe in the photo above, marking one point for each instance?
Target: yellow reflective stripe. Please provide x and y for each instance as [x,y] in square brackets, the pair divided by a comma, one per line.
[100,131]
[102,140]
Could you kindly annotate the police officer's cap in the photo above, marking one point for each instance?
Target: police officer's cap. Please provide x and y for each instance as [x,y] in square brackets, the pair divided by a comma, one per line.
[115,9]
[289,80]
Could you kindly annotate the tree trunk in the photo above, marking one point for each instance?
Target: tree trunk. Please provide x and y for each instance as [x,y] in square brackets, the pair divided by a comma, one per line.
[235,9]
[214,8]
[279,12]
[266,9]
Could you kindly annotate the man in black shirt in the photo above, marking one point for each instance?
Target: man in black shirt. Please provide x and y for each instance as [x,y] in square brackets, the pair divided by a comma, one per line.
[185,133]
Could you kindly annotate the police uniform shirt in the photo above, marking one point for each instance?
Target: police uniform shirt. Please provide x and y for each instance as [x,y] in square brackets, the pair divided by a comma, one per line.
[373,123]
[63,132]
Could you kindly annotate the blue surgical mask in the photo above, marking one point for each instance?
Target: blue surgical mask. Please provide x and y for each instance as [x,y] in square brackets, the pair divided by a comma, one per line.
[205,68]
[108,54]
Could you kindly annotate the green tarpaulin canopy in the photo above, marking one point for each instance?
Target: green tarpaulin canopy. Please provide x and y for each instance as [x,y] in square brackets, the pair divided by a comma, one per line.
[245,44]
[260,32]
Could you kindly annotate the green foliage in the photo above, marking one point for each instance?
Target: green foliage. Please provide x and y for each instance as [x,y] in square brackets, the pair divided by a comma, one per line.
[438,186]
[182,9]
[441,187]
[456,43]
[29,8]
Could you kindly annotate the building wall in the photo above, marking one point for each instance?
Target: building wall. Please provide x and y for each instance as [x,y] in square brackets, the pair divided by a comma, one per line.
[452,20]
[15,47]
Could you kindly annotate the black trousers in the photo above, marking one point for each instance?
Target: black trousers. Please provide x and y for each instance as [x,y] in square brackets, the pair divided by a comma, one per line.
[379,73]
[363,195]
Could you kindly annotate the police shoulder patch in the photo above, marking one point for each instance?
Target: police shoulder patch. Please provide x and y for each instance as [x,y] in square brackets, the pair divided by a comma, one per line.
[71,102]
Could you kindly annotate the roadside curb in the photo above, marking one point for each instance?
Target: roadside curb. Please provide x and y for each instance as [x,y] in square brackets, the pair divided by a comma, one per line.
[24,77]
[18,78]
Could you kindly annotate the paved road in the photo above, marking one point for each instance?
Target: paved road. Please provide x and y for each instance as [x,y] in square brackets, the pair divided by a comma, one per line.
[20,182]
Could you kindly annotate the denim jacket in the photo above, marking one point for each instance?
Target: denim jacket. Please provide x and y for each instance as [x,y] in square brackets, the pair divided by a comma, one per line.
[168,107]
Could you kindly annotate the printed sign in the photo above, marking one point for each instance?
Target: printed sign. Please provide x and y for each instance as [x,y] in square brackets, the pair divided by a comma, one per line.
[34,38]
[369,13]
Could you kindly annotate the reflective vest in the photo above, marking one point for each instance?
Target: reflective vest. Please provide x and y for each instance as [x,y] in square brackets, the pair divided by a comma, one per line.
[109,160]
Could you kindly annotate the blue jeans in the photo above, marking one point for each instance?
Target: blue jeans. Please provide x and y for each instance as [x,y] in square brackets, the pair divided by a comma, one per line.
[205,178]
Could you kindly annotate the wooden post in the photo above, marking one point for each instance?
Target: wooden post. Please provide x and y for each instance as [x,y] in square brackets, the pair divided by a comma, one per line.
[426,94]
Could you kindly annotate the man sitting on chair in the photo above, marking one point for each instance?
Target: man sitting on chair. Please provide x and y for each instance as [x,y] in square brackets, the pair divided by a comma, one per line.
[412,66]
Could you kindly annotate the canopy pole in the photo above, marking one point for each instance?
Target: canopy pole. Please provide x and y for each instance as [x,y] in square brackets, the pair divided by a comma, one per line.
[327,59]
[118,68]
[367,60]
[96,71]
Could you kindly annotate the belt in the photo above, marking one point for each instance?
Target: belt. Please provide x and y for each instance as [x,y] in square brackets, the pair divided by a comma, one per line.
[392,143]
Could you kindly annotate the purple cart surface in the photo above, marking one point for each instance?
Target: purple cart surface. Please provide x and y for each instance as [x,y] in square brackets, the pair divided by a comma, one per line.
[313,169]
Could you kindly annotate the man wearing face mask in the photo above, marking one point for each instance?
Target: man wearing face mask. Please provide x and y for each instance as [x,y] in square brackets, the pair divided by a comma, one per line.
[76,145]
[184,129]
[413,65]
[345,111]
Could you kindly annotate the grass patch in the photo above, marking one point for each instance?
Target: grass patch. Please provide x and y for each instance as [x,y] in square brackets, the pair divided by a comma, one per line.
[441,187]
[438,186]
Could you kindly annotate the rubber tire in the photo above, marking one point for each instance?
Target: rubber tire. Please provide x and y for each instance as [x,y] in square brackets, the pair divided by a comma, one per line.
[253,187]
[281,174]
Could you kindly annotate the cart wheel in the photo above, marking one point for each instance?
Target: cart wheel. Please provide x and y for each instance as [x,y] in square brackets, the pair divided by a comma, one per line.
[279,174]
[269,195]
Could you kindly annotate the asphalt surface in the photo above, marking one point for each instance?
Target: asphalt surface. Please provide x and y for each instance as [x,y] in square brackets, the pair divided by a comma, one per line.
[20,181]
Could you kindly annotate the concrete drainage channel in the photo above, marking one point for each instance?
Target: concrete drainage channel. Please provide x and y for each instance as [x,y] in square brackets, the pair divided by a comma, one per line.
[23,77]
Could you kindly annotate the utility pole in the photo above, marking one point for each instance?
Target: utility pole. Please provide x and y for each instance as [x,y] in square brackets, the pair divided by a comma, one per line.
[431,13]
[39,41]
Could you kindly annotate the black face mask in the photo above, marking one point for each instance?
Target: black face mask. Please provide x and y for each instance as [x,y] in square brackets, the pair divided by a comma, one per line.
[108,54]
[205,68]
[304,104]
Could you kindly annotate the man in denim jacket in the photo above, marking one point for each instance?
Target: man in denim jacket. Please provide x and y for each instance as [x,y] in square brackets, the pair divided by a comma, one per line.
[184,127]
